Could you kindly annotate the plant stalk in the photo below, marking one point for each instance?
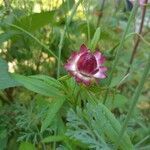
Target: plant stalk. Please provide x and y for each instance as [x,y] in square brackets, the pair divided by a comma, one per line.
[138,38]
[134,101]
[101,12]
[63,36]
[119,49]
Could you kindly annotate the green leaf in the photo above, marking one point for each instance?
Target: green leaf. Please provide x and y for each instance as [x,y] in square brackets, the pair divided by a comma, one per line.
[116,101]
[49,80]
[96,122]
[6,36]
[26,146]
[36,85]
[80,128]
[6,80]
[54,138]
[67,5]
[3,138]
[111,126]
[95,39]
[53,110]
[35,21]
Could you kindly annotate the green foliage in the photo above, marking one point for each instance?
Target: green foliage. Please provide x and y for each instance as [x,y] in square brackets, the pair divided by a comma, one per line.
[6,36]
[94,126]
[95,39]
[38,85]
[35,21]
[26,146]
[49,80]
[51,113]
[3,138]
[54,138]
[42,112]
[67,5]
[80,130]
[28,119]
[117,101]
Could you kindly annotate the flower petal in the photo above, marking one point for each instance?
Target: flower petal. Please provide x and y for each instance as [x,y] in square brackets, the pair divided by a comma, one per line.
[82,79]
[103,69]
[83,49]
[99,58]
[100,74]
[72,61]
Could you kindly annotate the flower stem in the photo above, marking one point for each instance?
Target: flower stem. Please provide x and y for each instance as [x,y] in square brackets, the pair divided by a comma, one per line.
[134,101]
[138,38]
[119,49]
[101,12]
[86,8]
[63,36]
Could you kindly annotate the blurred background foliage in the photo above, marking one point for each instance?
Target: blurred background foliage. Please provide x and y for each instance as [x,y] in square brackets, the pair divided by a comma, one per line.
[21,111]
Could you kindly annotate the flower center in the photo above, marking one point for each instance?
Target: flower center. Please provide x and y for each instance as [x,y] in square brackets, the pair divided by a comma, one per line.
[87,64]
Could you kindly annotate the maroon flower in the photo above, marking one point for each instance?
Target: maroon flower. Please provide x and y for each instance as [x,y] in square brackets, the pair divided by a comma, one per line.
[86,67]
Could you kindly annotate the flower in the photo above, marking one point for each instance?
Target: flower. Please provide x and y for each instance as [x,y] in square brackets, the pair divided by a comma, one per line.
[141,2]
[86,67]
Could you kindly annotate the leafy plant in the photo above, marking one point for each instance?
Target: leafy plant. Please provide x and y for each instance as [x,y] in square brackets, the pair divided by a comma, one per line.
[41,107]
[96,126]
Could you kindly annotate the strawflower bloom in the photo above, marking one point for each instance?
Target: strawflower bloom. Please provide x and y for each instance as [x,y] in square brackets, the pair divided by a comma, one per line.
[86,67]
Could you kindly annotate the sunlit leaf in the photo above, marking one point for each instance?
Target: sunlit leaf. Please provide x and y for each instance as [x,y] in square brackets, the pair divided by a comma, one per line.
[6,80]
[35,21]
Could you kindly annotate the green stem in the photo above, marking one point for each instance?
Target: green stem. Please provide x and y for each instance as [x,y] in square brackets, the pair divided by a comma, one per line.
[33,37]
[127,37]
[64,78]
[41,138]
[119,49]
[63,35]
[140,36]
[142,141]
[88,27]
[86,11]
[101,12]
[134,101]
[138,40]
